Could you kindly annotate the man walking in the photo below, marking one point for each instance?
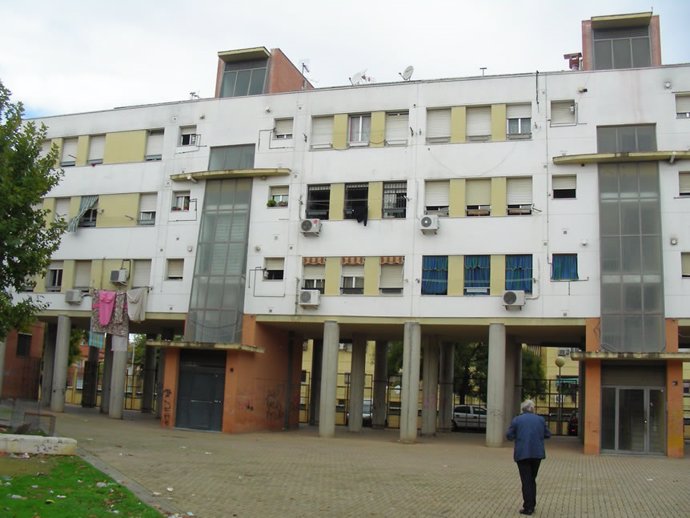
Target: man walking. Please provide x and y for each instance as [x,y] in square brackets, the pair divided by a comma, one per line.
[528,430]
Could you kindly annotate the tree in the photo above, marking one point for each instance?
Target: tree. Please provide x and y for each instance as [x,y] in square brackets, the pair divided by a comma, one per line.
[27,240]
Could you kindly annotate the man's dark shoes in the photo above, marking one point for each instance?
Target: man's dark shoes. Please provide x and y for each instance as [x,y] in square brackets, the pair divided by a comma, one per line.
[526,511]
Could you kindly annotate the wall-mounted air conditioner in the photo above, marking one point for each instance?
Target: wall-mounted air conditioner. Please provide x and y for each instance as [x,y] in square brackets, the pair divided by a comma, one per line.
[309,298]
[119,276]
[513,298]
[310,226]
[429,223]
[73,296]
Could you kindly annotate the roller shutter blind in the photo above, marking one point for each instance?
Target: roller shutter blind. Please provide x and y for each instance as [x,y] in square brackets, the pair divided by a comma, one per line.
[391,276]
[436,193]
[142,273]
[479,121]
[438,124]
[96,148]
[397,127]
[82,274]
[684,183]
[478,192]
[519,191]
[321,131]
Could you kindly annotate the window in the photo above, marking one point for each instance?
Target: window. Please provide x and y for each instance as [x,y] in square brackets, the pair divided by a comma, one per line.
[89,218]
[69,152]
[96,149]
[282,129]
[564,267]
[54,276]
[352,280]
[322,132]
[154,145]
[82,275]
[438,126]
[394,199]
[23,345]
[519,123]
[436,197]
[86,217]
[142,273]
[624,139]
[274,268]
[564,186]
[360,129]
[244,78]
[519,196]
[314,277]
[519,273]
[147,208]
[626,47]
[478,123]
[224,158]
[391,281]
[180,201]
[478,197]
[685,264]
[683,106]
[189,136]
[397,128]
[563,112]
[175,269]
[477,275]
[356,198]
[61,208]
[278,196]
[435,275]
[318,201]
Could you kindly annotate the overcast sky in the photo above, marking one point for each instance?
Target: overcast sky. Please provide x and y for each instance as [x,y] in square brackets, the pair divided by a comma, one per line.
[72,56]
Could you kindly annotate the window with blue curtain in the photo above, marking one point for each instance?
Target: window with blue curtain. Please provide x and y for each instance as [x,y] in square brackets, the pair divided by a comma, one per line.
[435,275]
[564,267]
[519,273]
[477,274]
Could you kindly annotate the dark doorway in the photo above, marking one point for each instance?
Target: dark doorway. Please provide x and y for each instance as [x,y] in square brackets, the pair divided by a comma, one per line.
[201,387]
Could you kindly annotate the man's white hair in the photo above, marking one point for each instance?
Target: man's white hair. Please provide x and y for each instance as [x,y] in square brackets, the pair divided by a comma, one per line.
[527,406]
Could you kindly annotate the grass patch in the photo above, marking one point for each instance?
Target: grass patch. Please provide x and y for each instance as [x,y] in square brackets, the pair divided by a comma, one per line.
[57,486]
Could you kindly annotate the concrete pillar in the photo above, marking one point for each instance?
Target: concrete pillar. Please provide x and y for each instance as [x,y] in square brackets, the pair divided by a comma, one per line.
[149,380]
[495,393]
[430,386]
[379,410]
[359,353]
[513,381]
[107,374]
[410,382]
[3,349]
[446,373]
[89,389]
[57,398]
[329,378]
[118,377]
[315,396]
[48,365]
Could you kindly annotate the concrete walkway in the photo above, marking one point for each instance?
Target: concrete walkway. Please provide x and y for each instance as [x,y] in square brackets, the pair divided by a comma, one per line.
[298,474]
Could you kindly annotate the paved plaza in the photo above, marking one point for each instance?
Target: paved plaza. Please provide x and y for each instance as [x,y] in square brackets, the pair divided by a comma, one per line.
[370,474]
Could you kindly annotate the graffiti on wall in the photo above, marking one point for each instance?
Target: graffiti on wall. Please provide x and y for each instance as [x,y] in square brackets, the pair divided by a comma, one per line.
[274,404]
[166,413]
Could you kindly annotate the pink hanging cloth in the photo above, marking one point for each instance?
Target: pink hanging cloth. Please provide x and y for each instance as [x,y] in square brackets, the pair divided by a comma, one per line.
[106,304]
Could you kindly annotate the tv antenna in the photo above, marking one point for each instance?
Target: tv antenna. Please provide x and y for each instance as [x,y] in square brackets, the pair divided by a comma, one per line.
[407,73]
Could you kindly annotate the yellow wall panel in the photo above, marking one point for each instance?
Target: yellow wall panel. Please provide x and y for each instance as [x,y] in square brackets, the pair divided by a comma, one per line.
[499,196]
[498,122]
[456,274]
[125,146]
[118,210]
[332,276]
[456,198]
[340,139]
[49,204]
[82,150]
[108,266]
[377,136]
[372,274]
[458,124]
[97,273]
[68,272]
[497,282]
[74,204]
[336,208]
[57,142]
[375,200]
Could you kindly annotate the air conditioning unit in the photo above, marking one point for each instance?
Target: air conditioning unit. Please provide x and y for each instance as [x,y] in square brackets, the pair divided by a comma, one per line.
[310,226]
[73,296]
[513,299]
[429,223]
[119,276]
[309,298]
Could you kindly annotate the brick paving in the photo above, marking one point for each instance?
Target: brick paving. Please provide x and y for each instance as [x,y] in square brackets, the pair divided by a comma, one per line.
[371,474]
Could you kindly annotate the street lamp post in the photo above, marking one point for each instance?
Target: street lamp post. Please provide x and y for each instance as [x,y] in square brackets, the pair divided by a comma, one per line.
[560,361]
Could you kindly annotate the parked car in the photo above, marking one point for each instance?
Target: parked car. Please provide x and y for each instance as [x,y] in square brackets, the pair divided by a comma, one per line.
[572,424]
[469,416]
[366,413]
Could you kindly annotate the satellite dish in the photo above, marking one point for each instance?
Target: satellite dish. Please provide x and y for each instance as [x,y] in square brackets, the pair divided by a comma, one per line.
[358,77]
[407,73]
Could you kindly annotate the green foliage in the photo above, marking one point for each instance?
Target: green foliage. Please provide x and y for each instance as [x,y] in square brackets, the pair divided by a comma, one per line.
[76,338]
[139,344]
[63,487]
[395,358]
[26,241]
[533,376]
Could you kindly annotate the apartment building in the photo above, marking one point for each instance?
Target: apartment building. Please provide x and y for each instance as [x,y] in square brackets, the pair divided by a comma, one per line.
[543,208]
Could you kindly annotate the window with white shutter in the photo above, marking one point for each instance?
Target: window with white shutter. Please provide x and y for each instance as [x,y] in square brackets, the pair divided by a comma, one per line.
[82,275]
[282,129]
[397,128]
[96,149]
[175,269]
[436,197]
[563,112]
[69,152]
[391,281]
[142,273]
[478,122]
[314,276]
[274,268]
[683,106]
[685,263]
[189,136]
[54,276]
[61,208]
[352,280]
[278,196]
[147,208]
[438,126]
[564,186]
[154,145]
[519,192]
[519,120]
[478,197]
[684,183]
[322,132]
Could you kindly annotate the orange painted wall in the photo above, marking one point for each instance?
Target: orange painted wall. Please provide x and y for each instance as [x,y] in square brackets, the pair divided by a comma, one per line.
[171,374]
[674,395]
[22,373]
[283,75]
[587,52]
[592,417]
